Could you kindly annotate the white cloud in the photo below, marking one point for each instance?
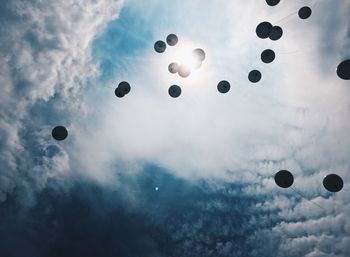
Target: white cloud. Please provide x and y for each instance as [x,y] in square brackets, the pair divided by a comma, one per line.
[44,52]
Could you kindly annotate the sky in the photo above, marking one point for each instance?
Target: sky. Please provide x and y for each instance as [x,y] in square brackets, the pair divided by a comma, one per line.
[150,175]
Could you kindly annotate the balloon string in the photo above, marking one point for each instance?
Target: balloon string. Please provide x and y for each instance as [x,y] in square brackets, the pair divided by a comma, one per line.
[307,199]
[313,7]
[280,20]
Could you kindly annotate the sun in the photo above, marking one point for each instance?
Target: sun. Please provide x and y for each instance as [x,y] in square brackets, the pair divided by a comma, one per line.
[185,58]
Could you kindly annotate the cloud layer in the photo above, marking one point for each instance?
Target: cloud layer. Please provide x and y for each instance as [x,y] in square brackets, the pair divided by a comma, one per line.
[45,61]
[295,118]
[225,148]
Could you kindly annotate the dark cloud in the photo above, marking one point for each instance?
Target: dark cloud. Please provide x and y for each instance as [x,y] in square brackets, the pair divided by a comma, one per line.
[181,219]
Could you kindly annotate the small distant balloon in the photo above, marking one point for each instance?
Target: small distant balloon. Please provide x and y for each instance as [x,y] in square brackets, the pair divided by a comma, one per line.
[272,2]
[224,86]
[343,70]
[199,54]
[173,67]
[284,178]
[276,33]
[59,133]
[124,87]
[333,183]
[254,76]
[268,56]
[172,39]
[264,29]
[159,46]
[118,93]
[184,71]
[304,12]
[174,91]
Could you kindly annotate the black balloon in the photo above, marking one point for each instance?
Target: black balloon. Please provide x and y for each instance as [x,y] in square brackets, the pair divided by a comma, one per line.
[224,86]
[173,67]
[59,133]
[343,70]
[159,46]
[284,179]
[199,54]
[124,87]
[304,12]
[254,76]
[276,33]
[184,71]
[264,29]
[268,56]
[272,2]
[172,39]
[118,93]
[333,183]
[174,91]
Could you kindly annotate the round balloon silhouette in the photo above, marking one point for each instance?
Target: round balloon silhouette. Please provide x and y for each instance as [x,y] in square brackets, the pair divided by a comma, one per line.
[118,93]
[272,2]
[173,68]
[124,87]
[199,54]
[284,179]
[343,70]
[59,133]
[333,183]
[276,33]
[254,76]
[304,12]
[268,56]
[264,29]
[174,91]
[224,86]
[172,39]
[159,46]
[184,71]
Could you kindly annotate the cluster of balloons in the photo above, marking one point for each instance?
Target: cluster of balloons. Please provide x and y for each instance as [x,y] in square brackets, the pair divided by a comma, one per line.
[160,45]
[198,56]
[183,70]
[331,182]
[266,30]
[122,89]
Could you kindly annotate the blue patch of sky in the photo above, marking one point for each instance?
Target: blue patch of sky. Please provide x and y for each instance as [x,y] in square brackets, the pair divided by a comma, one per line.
[122,42]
